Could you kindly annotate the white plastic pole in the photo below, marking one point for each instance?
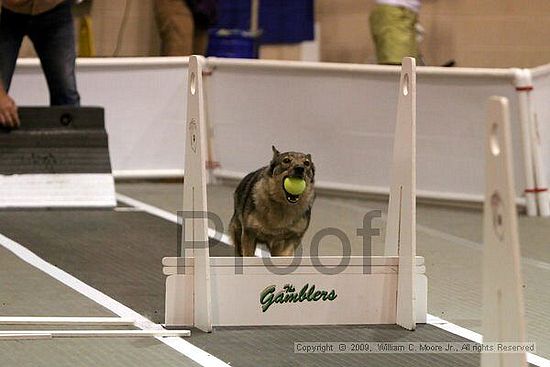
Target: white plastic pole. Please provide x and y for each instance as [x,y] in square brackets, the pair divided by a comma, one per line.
[194,195]
[541,181]
[401,224]
[503,318]
[543,196]
[82,321]
[523,87]
[39,334]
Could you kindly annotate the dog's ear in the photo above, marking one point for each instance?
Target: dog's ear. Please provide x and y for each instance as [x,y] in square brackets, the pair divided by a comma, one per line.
[275,151]
[273,162]
[308,157]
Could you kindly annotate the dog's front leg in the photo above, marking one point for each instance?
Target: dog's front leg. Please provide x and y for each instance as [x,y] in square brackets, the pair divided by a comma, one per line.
[248,243]
[284,248]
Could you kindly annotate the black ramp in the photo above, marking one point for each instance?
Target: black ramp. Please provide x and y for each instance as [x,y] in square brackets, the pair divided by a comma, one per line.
[56,140]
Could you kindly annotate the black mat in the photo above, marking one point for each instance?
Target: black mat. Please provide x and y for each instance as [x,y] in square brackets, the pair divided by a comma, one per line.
[56,140]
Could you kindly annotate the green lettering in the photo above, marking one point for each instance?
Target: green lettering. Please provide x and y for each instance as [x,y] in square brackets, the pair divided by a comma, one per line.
[289,294]
[266,297]
[279,298]
[291,297]
[310,293]
[303,295]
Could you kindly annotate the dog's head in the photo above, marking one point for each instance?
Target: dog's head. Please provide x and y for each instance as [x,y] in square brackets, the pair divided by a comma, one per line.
[290,164]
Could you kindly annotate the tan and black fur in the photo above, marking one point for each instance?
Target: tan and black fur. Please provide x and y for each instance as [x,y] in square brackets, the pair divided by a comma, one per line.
[266,213]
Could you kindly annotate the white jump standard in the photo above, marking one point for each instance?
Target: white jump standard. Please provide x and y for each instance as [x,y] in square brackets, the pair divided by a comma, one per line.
[503,315]
[206,292]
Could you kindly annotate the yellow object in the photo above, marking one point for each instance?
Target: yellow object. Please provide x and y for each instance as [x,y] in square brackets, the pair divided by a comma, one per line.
[86,46]
[394,33]
[295,185]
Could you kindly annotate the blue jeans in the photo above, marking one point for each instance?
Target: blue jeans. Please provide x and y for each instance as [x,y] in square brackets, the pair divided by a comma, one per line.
[52,34]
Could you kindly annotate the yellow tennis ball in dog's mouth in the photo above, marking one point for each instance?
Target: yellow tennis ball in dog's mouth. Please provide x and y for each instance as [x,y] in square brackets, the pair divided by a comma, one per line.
[295,185]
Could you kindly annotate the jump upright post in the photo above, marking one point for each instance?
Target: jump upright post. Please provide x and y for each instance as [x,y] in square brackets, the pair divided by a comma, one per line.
[503,315]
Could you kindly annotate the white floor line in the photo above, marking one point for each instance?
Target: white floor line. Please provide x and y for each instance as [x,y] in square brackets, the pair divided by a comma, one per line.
[187,349]
[432,320]
[476,245]
[261,250]
[171,217]
[476,337]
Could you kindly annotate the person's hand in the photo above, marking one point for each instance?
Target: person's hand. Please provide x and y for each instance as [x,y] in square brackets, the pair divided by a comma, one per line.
[8,111]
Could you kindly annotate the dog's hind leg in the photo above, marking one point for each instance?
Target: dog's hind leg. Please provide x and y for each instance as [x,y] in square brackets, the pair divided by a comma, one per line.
[235,232]
[248,244]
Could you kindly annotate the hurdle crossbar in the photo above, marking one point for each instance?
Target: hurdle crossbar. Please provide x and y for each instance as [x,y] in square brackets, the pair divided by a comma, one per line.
[231,291]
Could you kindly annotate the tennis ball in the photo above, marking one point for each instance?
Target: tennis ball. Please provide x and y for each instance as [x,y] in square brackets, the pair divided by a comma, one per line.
[295,185]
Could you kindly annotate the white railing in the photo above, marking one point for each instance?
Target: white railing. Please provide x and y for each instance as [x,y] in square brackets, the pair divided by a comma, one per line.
[341,113]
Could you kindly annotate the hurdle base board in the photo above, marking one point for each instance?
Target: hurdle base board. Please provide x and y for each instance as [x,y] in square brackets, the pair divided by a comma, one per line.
[361,299]
[307,265]
[281,261]
[58,190]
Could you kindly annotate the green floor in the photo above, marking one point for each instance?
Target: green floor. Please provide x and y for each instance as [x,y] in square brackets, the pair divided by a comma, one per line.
[448,238]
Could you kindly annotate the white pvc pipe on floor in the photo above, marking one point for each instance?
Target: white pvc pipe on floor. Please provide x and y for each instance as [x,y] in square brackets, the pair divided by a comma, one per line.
[33,320]
[34,334]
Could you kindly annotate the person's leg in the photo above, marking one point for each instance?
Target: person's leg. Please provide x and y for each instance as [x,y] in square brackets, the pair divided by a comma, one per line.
[176,27]
[12,31]
[200,41]
[393,32]
[53,36]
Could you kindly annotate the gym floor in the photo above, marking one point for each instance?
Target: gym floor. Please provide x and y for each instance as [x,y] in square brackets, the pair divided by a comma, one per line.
[78,242]
[449,238]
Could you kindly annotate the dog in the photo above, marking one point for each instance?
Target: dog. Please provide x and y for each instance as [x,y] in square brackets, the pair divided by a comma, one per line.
[266,213]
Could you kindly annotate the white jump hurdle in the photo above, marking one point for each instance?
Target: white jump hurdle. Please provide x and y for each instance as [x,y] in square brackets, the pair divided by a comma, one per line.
[503,318]
[226,291]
